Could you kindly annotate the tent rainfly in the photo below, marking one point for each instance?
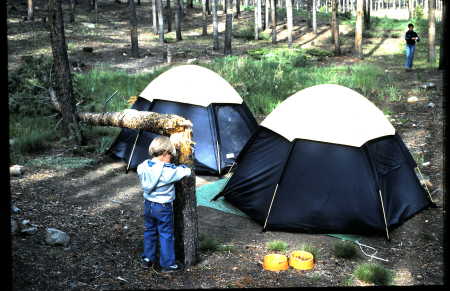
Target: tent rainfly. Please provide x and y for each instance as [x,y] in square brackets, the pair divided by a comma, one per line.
[222,122]
[326,160]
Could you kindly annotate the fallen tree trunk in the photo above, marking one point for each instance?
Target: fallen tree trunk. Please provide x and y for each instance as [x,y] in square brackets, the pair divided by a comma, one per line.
[180,132]
[164,124]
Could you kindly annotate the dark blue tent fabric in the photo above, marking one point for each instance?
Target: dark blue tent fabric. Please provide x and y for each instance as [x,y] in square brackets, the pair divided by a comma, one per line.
[324,187]
[219,132]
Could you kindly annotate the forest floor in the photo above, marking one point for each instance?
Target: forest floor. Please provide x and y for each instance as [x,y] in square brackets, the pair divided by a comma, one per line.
[101,207]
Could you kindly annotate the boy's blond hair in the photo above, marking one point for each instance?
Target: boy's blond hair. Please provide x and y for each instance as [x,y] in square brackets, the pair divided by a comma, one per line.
[161,145]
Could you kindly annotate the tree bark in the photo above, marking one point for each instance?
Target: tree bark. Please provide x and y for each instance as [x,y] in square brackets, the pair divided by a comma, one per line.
[431,32]
[215,25]
[133,30]
[228,28]
[238,8]
[359,28]
[160,20]
[178,17]
[267,14]
[335,27]
[190,4]
[204,19]
[290,21]
[64,87]
[273,9]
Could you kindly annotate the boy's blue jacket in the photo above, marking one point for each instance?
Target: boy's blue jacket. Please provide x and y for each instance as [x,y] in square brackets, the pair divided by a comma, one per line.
[157,179]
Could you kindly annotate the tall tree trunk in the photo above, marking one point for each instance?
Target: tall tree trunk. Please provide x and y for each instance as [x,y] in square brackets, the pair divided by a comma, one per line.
[204,18]
[266,13]
[208,7]
[169,16]
[256,19]
[443,58]
[259,6]
[64,88]
[155,16]
[359,28]
[290,21]
[367,14]
[314,16]
[411,9]
[72,11]
[30,10]
[190,4]
[431,32]
[335,27]
[215,20]
[178,17]
[228,28]
[273,9]
[133,30]
[159,7]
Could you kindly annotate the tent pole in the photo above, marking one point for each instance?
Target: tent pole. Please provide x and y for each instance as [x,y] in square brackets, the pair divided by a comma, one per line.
[270,207]
[425,184]
[218,156]
[384,215]
[132,151]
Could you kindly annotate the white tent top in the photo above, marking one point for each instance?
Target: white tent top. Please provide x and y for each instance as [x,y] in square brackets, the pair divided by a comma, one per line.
[329,113]
[191,84]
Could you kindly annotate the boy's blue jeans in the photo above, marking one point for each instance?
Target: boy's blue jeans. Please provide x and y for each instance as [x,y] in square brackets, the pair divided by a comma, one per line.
[158,221]
[410,49]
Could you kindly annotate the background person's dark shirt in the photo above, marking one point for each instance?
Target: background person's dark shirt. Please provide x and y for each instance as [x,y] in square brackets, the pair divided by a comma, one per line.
[409,35]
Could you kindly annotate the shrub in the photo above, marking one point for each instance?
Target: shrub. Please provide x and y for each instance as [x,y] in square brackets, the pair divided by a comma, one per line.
[208,243]
[374,273]
[277,245]
[345,249]
[310,249]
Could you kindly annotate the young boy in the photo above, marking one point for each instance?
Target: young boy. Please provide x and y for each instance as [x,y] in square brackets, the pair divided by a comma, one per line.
[410,37]
[157,178]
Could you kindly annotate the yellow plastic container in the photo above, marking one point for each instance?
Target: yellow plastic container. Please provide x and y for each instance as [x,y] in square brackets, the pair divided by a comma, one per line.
[301,260]
[275,262]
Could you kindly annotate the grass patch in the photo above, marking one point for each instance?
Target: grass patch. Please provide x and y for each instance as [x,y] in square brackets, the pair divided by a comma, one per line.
[60,162]
[345,249]
[277,245]
[374,273]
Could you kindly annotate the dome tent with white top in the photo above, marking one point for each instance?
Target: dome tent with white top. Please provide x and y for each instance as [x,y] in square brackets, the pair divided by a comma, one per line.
[326,160]
[222,122]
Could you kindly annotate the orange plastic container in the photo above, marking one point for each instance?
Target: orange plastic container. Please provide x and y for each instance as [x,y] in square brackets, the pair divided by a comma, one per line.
[275,262]
[301,260]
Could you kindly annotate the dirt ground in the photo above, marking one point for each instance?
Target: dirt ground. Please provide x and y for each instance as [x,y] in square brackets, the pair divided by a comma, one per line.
[100,206]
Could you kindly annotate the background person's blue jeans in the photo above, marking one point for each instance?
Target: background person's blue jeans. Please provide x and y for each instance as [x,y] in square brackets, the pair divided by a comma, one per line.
[158,221]
[410,49]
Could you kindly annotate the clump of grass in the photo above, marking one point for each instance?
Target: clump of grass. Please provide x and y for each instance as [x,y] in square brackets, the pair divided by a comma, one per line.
[345,249]
[310,249]
[277,245]
[226,248]
[208,243]
[374,273]
[247,31]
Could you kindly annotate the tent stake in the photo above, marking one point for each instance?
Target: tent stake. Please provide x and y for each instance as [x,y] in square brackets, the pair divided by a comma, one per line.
[425,184]
[132,151]
[270,207]
[384,215]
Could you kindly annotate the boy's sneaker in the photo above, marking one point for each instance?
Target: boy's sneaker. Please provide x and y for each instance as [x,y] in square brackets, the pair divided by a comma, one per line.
[170,269]
[146,263]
